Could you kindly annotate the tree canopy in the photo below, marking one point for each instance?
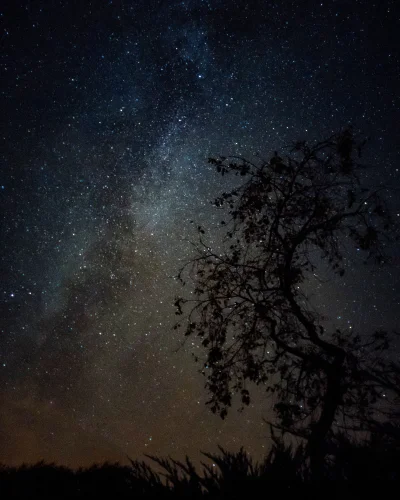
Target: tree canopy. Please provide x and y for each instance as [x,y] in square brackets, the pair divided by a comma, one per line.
[249,305]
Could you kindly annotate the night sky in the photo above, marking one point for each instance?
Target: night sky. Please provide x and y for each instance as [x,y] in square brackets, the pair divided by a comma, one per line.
[108,113]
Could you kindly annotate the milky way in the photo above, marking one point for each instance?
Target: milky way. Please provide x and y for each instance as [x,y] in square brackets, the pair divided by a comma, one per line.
[109,113]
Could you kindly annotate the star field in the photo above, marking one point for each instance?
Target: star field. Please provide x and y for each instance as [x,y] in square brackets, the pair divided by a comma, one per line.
[109,111]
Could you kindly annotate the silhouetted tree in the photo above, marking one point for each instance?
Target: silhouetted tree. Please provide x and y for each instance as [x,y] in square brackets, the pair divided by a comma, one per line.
[249,306]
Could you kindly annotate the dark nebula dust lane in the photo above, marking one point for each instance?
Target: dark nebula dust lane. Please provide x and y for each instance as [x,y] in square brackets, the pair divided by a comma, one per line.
[109,111]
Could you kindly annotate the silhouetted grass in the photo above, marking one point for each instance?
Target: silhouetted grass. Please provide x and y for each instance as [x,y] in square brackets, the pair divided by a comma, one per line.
[350,467]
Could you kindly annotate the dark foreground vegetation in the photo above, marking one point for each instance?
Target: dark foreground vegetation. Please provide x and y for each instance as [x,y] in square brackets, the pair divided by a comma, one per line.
[350,470]
[291,226]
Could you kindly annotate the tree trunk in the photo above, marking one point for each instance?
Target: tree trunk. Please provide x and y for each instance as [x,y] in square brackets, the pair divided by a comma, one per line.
[316,449]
